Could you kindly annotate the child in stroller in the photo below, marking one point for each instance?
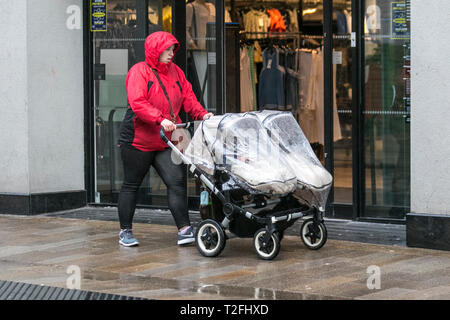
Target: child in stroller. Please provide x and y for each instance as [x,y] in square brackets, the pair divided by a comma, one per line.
[262,176]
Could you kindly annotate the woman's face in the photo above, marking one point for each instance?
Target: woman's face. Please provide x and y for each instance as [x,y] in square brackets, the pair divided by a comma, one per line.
[167,54]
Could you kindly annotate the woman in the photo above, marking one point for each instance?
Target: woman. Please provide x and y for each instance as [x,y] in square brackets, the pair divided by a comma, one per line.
[157,89]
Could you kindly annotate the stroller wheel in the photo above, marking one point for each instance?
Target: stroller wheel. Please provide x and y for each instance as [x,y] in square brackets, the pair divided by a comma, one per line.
[269,250]
[280,235]
[210,238]
[314,235]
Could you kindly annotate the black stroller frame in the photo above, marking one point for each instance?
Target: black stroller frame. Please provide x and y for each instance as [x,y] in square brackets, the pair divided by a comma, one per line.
[210,237]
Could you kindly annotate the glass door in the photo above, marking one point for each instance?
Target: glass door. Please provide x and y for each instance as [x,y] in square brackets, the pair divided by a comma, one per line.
[342,109]
[115,51]
[386,113]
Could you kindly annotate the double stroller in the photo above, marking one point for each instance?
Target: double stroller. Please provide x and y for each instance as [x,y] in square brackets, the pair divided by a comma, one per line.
[262,176]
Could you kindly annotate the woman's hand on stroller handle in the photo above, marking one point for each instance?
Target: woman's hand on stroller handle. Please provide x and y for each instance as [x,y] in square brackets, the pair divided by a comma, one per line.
[179,125]
[168,125]
[208,115]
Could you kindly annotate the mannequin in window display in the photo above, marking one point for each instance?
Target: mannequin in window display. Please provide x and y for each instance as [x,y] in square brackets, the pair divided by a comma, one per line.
[198,14]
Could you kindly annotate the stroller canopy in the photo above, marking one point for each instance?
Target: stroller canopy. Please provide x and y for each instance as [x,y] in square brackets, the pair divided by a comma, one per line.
[239,144]
[264,152]
[314,181]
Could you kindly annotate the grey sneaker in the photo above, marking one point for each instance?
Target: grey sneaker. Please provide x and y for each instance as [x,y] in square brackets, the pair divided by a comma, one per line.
[187,236]
[127,239]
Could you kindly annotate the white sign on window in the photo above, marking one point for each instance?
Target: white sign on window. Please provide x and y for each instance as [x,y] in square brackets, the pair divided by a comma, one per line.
[337,57]
[211,58]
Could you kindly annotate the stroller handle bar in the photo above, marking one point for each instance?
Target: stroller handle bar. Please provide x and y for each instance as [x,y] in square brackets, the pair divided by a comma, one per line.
[178,125]
[172,146]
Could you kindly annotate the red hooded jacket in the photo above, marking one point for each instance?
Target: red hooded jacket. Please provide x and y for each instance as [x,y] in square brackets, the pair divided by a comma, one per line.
[148,105]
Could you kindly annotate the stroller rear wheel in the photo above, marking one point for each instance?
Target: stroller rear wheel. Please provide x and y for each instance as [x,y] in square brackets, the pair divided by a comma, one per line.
[210,238]
[313,234]
[266,250]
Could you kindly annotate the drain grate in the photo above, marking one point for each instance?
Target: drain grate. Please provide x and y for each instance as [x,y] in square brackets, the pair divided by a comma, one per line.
[10,290]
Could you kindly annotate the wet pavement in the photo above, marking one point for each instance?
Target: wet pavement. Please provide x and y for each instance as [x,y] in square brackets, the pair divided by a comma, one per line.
[338,229]
[53,251]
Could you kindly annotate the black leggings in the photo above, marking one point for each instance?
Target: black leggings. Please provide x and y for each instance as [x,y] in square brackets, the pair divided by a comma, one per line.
[136,164]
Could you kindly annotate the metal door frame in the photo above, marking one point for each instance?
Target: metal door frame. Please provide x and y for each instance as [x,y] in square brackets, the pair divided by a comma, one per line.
[179,31]
[348,211]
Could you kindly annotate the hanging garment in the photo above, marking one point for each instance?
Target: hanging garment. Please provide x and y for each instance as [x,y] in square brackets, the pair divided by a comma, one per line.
[153,15]
[192,77]
[313,116]
[251,51]
[291,82]
[293,23]
[257,53]
[304,69]
[271,82]
[257,59]
[337,131]
[167,18]
[348,16]
[227,15]
[307,120]
[246,82]
[342,27]
[276,21]
[256,21]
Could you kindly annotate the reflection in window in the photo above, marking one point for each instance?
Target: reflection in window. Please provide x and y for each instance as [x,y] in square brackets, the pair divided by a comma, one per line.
[115,52]
[387,108]
[200,37]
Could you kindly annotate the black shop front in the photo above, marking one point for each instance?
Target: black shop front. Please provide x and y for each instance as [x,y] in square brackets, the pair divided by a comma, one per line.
[351,95]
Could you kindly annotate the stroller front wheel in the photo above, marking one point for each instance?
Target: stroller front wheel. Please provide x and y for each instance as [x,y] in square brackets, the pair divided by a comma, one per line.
[210,238]
[313,234]
[266,250]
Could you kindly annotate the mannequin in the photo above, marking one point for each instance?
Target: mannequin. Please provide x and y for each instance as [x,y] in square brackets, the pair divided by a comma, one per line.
[198,14]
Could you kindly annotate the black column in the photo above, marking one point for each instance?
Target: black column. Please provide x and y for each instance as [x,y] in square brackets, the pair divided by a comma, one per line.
[141,28]
[357,107]
[220,68]
[232,68]
[328,90]
[179,31]
[89,124]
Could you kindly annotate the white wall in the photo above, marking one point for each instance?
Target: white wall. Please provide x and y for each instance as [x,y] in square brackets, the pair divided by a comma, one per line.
[430,106]
[55,84]
[41,98]
[14,177]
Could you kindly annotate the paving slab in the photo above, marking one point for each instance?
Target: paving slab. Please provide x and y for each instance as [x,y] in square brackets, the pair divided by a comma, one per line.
[159,269]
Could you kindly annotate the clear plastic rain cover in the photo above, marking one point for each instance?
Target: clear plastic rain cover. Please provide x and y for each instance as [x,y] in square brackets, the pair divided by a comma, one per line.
[313,180]
[264,152]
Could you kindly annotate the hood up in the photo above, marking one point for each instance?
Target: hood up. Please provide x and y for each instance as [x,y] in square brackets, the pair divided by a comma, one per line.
[155,44]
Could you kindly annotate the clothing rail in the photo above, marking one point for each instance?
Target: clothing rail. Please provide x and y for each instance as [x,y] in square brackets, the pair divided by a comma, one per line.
[298,34]
[254,4]
[270,32]
[320,1]
[280,34]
